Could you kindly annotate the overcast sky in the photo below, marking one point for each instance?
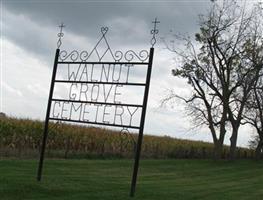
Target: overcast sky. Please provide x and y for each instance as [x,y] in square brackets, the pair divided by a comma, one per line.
[28,42]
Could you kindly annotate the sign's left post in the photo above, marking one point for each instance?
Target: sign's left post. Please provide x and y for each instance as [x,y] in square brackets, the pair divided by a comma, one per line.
[45,133]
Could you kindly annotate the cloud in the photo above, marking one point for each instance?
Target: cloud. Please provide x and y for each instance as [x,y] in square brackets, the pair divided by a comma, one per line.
[28,34]
[33,24]
[17,93]
[25,82]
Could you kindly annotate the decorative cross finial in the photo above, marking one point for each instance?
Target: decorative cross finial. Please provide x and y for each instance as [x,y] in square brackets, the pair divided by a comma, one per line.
[60,34]
[154,31]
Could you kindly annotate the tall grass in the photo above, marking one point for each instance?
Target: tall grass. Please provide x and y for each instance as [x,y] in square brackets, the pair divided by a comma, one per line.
[23,137]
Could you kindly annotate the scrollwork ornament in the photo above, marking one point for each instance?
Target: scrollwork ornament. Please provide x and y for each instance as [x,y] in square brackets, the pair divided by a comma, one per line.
[142,56]
[118,56]
[84,55]
[73,55]
[129,55]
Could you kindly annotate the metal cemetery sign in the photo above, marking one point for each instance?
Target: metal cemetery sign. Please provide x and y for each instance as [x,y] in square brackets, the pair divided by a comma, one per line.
[98,89]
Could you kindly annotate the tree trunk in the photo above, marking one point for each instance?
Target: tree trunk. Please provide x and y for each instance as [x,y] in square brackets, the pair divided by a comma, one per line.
[233,144]
[218,147]
[259,149]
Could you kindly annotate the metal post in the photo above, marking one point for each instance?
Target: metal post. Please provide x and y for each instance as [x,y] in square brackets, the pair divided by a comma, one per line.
[140,137]
[45,133]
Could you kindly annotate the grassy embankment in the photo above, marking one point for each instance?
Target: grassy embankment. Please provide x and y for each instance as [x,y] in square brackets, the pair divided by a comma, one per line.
[110,180]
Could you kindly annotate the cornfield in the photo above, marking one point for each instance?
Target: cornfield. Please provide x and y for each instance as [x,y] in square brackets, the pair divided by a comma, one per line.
[23,137]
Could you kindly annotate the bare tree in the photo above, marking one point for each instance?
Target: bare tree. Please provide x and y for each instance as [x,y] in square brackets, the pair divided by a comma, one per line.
[247,70]
[219,67]
[254,115]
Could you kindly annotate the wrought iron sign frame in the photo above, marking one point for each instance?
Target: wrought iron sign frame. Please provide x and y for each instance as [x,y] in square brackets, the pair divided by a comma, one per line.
[120,58]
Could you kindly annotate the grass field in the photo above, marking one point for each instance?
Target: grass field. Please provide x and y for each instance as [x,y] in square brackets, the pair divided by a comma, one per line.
[110,179]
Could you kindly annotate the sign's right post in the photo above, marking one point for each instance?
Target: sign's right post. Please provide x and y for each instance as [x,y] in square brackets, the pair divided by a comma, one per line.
[154,31]
[140,136]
